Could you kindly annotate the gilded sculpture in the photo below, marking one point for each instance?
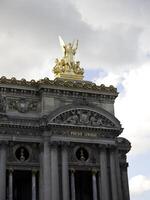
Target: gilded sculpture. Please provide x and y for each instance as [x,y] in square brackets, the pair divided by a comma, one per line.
[67,67]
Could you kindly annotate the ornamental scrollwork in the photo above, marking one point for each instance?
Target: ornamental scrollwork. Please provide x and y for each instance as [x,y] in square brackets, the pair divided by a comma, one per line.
[83,117]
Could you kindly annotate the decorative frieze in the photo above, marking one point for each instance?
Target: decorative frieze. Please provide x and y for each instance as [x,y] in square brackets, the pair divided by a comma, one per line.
[83,117]
[23,105]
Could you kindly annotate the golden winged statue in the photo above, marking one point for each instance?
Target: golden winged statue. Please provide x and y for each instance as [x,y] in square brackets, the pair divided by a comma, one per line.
[67,67]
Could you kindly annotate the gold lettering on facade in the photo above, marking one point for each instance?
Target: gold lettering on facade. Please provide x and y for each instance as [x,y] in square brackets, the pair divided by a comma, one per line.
[81,134]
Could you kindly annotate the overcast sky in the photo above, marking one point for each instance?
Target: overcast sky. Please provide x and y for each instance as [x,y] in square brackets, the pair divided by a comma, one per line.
[114,48]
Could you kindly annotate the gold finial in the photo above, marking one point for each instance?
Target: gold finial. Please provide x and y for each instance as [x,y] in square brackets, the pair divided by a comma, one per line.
[67,67]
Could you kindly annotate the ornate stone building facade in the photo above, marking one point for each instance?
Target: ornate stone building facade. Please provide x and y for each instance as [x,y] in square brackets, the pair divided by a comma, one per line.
[59,140]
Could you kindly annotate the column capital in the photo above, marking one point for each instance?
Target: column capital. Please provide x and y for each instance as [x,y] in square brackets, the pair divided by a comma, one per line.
[94,171]
[11,170]
[3,142]
[107,146]
[41,144]
[112,147]
[102,146]
[46,139]
[47,133]
[54,144]
[64,144]
[34,171]
[72,170]
[124,165]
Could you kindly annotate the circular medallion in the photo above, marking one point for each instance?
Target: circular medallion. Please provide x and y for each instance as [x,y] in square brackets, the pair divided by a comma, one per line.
[82,154]
[22,154]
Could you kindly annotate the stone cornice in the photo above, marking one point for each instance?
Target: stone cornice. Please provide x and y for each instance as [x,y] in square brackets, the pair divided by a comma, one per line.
[61,84]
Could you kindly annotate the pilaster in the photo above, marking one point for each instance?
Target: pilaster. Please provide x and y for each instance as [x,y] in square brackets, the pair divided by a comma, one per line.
[54,171]
[125,183]
[104,173]
[46,170]
[2,170]
[113,173]
[65,171]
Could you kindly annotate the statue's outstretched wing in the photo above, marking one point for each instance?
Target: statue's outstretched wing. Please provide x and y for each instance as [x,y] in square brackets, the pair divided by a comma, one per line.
[62,43]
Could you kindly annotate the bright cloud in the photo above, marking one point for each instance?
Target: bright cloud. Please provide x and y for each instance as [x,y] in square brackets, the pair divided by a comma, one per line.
[132,105]
[133,110]
[138,185]
[110,78]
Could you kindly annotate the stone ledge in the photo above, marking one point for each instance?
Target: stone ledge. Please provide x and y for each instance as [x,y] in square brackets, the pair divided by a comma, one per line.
[60,82]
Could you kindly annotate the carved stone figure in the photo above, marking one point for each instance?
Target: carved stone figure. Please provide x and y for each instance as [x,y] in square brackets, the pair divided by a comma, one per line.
[73,119]
[83,117]
[93,119]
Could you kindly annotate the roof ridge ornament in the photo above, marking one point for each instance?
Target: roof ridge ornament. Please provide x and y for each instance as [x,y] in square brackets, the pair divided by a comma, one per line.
[67,67]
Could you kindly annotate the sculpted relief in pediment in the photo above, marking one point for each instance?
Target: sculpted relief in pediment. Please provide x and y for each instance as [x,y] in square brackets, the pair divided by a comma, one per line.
[83,117]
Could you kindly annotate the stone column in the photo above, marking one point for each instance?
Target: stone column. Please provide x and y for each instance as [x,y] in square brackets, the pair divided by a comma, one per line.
[73,191]
[113,174]
[65,172]
[99,184]
[54,171]
[125,184]
[41,172]
[10,190]
[46,171]
[119,184]
[2,171]
[94,185]
[33,185]
[104,174]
